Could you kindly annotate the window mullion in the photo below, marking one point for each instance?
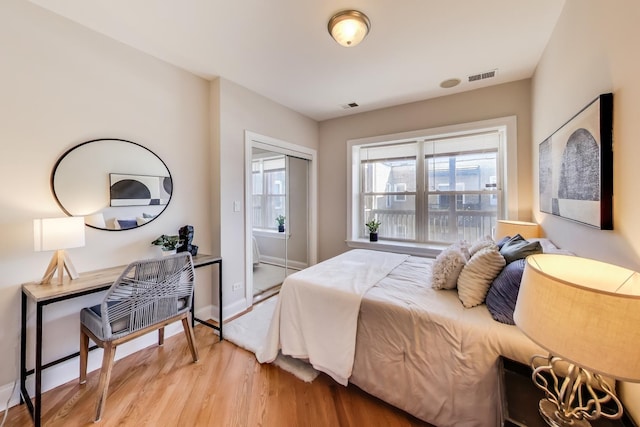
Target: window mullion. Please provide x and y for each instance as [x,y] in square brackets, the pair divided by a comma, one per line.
[421,215]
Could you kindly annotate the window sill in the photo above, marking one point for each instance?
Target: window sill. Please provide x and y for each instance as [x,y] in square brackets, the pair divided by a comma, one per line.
[272,234]
[429,250]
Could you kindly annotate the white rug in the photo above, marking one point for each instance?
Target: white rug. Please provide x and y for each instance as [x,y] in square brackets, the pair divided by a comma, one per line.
[249,331]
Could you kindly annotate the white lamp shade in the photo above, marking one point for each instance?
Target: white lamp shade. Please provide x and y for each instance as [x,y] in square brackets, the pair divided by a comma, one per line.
[527,230]
[50,234]
[585,311]
[349,27]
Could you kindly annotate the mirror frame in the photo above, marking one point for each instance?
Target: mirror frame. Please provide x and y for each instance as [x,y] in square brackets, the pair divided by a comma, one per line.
[76,147]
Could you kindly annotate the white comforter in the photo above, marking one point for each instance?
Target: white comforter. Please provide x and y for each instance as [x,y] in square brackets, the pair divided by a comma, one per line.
[317,313]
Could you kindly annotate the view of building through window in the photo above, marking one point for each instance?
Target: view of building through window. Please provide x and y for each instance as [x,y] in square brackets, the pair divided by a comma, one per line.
[451,193]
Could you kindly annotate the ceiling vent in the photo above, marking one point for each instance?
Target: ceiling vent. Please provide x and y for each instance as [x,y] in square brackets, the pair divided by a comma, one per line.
[482,76]
[349,105]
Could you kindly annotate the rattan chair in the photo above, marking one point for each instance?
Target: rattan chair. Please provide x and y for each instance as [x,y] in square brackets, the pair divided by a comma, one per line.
[148,295]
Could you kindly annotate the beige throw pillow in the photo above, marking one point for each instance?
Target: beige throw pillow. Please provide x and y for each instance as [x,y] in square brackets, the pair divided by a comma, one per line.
[478,274]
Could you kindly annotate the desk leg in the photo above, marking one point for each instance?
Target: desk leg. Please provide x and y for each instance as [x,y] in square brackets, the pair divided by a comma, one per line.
[38,369]
[220,297]
[23,350]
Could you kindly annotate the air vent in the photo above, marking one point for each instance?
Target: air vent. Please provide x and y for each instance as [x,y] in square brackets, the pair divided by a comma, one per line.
[349,105]
[481,76]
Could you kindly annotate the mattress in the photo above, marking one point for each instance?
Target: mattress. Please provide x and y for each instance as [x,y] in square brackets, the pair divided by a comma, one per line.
[421,350]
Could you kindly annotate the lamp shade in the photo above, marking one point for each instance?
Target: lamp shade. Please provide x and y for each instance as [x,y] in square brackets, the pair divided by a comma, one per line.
[349,27]
[527,230]
[585,311]
[50,234]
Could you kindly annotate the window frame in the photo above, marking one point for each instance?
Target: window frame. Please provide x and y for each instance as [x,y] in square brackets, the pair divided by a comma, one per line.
[507,162]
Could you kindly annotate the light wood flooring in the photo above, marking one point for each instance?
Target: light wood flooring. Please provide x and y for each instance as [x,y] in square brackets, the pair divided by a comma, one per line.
[161,386]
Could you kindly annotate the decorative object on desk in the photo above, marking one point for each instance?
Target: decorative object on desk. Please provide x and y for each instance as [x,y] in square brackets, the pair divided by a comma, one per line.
[168,243]
[373,226]
[186,237]
[527,230]
[58,234]
[585,313]
[280,220]
[576,167]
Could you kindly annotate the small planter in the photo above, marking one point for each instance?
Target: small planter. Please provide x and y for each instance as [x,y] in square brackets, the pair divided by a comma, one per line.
[373,237]
[281,228]
[169,252]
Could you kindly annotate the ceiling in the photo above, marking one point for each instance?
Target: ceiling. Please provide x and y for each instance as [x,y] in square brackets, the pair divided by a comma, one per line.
[282,50]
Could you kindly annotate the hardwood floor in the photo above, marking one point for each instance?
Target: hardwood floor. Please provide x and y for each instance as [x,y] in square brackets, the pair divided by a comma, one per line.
[161,386]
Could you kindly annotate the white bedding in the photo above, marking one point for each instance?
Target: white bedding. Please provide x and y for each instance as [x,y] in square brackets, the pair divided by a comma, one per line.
[317,312]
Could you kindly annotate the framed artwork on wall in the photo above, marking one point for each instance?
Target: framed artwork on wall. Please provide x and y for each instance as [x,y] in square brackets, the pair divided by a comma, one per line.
[576,167]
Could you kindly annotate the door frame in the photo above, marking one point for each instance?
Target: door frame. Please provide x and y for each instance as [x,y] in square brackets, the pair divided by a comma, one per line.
[251,140]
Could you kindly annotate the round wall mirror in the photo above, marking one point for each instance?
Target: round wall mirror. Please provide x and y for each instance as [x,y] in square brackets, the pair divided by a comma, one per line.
[115,184]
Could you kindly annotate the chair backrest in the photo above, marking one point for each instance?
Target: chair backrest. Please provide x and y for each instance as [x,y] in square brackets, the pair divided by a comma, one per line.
[148,292]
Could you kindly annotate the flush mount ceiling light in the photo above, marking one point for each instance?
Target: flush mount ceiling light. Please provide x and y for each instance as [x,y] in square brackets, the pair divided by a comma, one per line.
[349,27]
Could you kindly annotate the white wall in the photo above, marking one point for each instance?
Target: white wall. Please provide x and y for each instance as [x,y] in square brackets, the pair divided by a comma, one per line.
[593,50]
[240,110]
[62,84]
[482,104]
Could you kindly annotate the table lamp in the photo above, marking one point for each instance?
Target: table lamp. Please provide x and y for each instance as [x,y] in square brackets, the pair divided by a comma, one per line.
[505,228]
[58,234]
[586,314]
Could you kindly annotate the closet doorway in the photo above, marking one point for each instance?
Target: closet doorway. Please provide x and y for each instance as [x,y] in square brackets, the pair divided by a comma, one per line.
[279,213]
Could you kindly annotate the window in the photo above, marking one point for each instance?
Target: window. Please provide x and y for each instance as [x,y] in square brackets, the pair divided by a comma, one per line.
[269,191]
[433,186]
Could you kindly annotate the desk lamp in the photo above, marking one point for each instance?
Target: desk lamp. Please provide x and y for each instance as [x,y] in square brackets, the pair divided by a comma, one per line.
[586,314]
[58,234]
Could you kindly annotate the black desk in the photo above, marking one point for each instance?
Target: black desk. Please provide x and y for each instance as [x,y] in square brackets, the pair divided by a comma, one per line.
[519,397]
[88,283]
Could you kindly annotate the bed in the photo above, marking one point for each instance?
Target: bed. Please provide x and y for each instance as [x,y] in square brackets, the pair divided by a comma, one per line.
[409,344]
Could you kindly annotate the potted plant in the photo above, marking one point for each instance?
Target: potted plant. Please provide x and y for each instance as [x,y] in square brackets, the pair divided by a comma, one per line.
[373,226]
[168,244]
[280,221]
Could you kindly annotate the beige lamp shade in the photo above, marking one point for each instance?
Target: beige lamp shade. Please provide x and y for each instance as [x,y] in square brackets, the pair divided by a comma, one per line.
[585,311]
[349,27]
[51,234]
[527,230]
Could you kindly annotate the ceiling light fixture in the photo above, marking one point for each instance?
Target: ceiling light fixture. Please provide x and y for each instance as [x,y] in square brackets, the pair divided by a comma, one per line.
[349,27]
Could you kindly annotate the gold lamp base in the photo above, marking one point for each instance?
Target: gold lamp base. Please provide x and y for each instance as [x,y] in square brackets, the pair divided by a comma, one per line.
[60,262]
[550,414]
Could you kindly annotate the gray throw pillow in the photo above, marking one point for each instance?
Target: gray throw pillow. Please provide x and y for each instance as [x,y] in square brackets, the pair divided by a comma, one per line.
[517,248]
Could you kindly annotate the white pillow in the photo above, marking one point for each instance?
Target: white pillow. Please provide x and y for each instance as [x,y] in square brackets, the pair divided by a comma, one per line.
[478,274]
[447,266]
[483,242]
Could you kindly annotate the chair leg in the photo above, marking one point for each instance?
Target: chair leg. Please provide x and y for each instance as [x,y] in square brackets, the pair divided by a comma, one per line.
[160,336]
[191,340]
[105,377]
[84,353]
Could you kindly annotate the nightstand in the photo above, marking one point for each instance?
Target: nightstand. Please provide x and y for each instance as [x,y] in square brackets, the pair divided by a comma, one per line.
[519,399]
